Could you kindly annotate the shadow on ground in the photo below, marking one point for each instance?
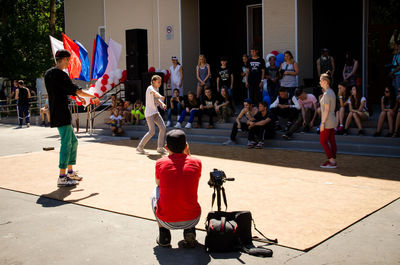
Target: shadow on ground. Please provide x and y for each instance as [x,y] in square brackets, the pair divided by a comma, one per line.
[57,197]
[197,255]
[348,165]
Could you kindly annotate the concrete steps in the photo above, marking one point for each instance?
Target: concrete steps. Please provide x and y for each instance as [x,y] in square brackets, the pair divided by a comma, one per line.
[350,144]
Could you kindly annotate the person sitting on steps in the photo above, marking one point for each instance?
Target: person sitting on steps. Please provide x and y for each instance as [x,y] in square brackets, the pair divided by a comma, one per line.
[262,127]
[191,107]
[248,112]
[285,107]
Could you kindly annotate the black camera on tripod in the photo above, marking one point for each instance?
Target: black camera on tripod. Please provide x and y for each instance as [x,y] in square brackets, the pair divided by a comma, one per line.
[217,178]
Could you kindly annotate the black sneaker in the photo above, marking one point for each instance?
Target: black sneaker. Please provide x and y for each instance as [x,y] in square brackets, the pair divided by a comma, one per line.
[345,132]
[286,137]
[376,134]
[189,238]
[164,238]
[361,132]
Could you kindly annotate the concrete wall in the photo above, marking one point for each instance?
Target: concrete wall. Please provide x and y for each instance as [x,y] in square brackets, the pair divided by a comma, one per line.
[153,15]
[82,21]
[190,42]
[305,39]
[279,26]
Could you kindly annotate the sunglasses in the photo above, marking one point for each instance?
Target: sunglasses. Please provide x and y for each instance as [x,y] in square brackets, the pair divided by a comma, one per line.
[387,91]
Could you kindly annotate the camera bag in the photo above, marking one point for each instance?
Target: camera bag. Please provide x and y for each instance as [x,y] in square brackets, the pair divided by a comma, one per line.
[222,234]
[231,231]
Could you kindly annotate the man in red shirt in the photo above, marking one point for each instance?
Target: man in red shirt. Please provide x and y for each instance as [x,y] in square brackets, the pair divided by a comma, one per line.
[174,201]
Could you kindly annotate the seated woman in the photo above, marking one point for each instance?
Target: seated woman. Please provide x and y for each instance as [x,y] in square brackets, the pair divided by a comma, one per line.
[115,122]
[341,106]
[357,111]
[137,112]
[191,107]
[224,106]
[175,106]
[45,111]
[388,104]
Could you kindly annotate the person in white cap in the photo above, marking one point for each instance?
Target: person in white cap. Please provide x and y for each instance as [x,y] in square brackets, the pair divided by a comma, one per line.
[176,79]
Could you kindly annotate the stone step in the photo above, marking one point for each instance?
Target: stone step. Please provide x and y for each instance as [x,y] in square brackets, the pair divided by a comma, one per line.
[344,147]
[225,132]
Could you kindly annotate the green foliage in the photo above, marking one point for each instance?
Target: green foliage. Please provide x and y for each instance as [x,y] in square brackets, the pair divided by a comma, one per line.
[25,51]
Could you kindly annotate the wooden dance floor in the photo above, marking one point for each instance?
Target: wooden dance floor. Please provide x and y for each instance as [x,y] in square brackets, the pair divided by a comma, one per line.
[290,197]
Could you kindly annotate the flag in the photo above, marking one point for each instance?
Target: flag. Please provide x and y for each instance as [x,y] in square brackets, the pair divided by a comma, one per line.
[85,69]
[114,52]
[55,46]
[75,66]
[99,58]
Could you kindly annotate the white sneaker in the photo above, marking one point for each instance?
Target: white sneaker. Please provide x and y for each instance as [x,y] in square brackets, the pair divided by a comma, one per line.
[74,176]
[178,125]
[188,125]
[229,142]
[140,150]
[66,182]
[161,150]
[28,125]
[168,124]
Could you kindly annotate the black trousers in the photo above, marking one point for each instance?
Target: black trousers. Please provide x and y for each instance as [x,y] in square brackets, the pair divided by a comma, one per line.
[255,92]
[260,133]
[209,112]
[309,115]
[234,131]
[290,114]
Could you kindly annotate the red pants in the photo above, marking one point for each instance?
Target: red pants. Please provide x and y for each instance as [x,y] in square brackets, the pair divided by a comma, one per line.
[328,135]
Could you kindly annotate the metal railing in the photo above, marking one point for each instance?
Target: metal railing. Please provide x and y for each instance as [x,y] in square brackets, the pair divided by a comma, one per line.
[8,107]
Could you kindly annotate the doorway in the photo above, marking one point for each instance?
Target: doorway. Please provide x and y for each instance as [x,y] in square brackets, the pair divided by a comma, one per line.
[224,31]
[254,28]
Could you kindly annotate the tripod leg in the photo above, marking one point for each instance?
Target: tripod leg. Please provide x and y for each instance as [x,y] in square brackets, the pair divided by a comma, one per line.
[224,197]
[213,199]
[219,198]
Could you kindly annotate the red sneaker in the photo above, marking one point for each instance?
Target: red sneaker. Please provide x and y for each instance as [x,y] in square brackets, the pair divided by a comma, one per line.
[328,164]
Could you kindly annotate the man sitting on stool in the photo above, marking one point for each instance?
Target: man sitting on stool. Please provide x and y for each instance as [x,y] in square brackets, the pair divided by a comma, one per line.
[174,200]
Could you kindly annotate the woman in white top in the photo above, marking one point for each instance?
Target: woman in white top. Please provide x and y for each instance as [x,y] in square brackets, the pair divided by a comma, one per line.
[176,79]
[203,74]
[153,117]
[357,110]
[289,70]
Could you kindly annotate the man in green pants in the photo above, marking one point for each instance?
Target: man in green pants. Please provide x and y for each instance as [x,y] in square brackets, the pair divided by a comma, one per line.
[59,86]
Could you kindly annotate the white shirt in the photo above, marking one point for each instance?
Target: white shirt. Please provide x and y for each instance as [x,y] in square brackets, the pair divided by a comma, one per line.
[151,105]
[361,101]
[176,78]
[117,119]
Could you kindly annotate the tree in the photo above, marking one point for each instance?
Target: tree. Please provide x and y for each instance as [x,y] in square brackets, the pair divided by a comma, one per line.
[25,26]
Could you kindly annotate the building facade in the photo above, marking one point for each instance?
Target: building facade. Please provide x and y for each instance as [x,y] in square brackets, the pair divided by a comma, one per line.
[187,28]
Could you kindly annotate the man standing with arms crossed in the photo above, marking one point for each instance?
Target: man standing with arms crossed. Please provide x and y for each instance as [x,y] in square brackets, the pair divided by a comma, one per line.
[59,86]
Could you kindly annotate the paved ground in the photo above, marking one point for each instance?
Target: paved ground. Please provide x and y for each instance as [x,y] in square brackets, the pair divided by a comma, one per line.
[36,230]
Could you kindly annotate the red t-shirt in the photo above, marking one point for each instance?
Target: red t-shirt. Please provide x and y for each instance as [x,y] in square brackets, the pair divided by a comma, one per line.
[179,176]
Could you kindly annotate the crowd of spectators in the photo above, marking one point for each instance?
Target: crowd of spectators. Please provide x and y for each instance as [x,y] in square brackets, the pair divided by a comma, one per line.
[274,85]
